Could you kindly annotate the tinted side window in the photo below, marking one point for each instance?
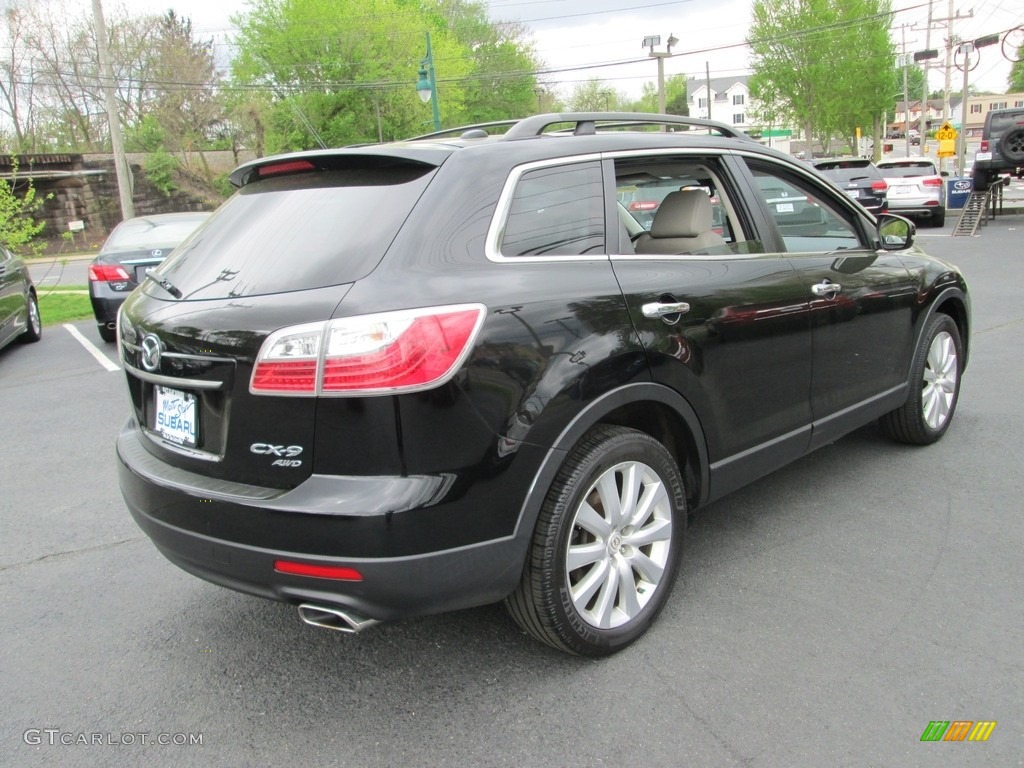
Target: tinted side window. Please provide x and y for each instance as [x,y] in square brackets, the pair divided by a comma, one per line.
[805,218]
[557,211]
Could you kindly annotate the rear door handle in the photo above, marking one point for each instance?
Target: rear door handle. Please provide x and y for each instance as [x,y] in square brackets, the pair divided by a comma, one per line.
[826,288]
[659,309]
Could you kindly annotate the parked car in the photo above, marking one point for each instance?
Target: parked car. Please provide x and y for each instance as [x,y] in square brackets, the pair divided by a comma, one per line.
[1001,149]
[19,303]
[859,179]
[408,378]
[916,188]
[130,251]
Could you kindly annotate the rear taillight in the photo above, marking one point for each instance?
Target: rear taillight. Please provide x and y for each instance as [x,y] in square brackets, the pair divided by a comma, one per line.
[984,146]
[931,182]
[388,353]
[107,273]
[642,205]
[879,186]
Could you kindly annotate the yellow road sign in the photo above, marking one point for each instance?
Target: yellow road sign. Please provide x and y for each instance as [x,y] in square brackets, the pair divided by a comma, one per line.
[946,132]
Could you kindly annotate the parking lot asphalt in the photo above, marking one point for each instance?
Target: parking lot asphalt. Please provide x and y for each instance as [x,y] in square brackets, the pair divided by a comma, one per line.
[824,616]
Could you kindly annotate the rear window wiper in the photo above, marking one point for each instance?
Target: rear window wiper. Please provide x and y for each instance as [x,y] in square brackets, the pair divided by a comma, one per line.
[164,283]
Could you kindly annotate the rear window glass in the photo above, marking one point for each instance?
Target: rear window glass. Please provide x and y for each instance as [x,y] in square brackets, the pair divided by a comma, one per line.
[908,170]
[557,211]
[146,233]
[1000,122]
[298,232]
[848,171]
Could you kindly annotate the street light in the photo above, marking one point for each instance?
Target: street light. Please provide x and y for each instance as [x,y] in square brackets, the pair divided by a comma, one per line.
[427,85]
[649,42]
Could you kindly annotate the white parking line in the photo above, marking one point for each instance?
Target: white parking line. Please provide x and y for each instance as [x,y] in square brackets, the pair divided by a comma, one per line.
[91,348]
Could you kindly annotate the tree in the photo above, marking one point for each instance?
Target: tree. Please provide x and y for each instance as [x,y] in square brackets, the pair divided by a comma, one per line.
[17,229]
[594,95]
[822,64]
[676,98]
[1015,82]
[342,71]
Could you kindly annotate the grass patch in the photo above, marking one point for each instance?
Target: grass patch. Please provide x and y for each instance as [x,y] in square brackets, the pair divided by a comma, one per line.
[62,306]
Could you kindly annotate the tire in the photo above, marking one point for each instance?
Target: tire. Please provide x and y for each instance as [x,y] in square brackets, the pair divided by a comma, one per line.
[109,335]
[590,609]
[34,324]
[935,386]
[981,180]
[939,217]
[1012,145]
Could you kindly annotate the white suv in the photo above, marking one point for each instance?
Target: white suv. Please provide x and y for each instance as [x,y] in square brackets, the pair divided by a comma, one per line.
[915,188]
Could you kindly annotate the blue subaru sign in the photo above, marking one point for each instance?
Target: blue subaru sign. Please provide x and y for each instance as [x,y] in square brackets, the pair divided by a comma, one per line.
[957,191]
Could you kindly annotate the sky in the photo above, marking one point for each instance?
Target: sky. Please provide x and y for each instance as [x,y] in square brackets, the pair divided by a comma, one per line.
[585,39]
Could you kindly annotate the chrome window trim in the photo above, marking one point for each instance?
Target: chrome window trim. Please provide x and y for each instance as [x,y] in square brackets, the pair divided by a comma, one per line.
[496,228]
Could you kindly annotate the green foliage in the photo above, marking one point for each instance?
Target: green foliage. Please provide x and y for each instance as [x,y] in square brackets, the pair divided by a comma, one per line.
[593,96]
[676,97]
[822,64]
[17,228]
[1015,82]
[343,72]
[160,167]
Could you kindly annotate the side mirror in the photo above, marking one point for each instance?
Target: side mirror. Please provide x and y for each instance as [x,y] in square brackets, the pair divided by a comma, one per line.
[895,233]
[944,174]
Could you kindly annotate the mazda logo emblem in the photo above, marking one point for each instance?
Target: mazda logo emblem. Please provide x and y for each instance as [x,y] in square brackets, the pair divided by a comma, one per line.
[150,355]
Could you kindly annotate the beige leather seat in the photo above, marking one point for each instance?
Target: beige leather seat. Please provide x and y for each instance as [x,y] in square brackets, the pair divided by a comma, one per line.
[682,224]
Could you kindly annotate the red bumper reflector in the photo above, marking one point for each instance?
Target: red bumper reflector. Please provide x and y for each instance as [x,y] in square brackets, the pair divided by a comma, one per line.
[338,572]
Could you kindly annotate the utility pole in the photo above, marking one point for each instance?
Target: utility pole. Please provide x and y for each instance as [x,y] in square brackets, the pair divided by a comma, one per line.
[906,97]
[124,173]
[923,127]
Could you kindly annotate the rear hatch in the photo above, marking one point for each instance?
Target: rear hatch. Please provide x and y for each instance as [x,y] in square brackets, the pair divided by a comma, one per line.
[911,180]
[858,178]
[282,252]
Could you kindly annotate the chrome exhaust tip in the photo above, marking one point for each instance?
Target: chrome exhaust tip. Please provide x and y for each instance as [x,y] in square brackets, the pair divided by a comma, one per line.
[338,619]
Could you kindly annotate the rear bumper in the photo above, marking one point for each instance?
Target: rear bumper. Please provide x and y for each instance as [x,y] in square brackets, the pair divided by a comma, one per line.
[105,302]
[198,530]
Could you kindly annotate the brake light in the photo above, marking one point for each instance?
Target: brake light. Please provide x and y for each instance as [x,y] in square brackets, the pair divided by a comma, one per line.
[642,205]
[984,146]
[107,273]
[292,166]
[879,185]
[338,572]
[932,182]
[388,353]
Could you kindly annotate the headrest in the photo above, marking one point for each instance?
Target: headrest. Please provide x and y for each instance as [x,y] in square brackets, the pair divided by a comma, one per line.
[685,213]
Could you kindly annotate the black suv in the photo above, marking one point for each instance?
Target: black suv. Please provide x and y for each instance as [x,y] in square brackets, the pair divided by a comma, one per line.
[1002,147]
[394,380]
[858,178]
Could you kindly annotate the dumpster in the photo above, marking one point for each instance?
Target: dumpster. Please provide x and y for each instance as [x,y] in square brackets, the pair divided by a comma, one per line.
[958,189]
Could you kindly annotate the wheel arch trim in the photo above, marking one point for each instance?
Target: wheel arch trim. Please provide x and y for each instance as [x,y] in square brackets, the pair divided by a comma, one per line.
[589,417]
[963,322]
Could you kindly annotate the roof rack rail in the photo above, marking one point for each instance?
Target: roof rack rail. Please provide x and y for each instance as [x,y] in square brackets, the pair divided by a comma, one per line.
[590,122]
[476,131]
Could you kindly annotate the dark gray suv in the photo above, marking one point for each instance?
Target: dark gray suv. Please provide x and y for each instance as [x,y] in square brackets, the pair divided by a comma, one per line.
[1002,147]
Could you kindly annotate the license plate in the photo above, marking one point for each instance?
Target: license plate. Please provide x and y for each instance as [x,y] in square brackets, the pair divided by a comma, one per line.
[982,155]
[784,207]
[899,191]
[175,419]
[854,193]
